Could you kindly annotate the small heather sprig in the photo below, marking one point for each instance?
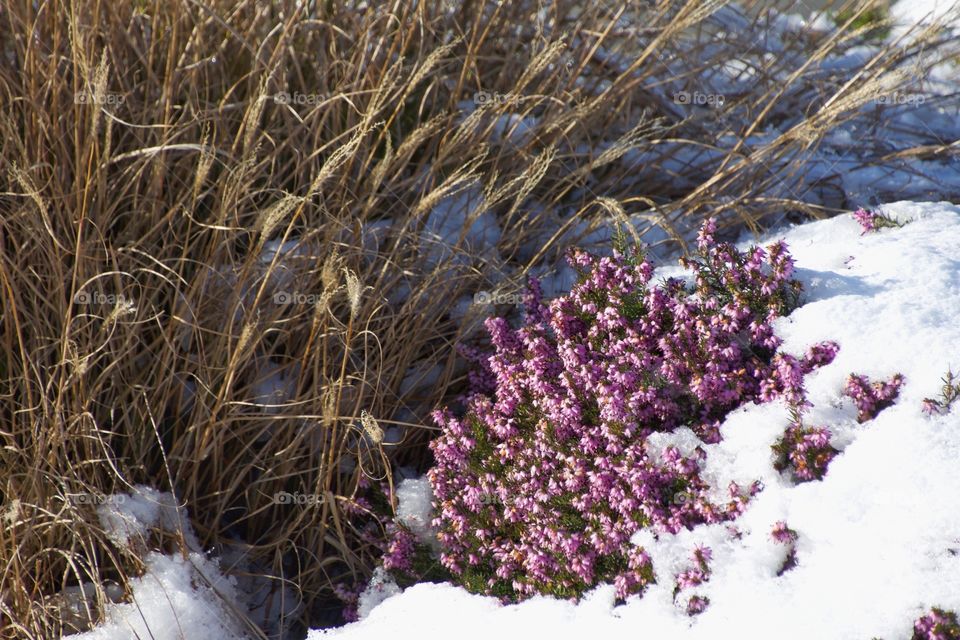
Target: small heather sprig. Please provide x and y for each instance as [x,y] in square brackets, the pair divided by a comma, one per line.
[349,595]
[557,423]
[948,395]
[401,547]
[872,397]
[782,534]
[874,220]
[697,605]
[693,577]
[819,355]
[937,625]
[785,379]
[806,451]
[696,575]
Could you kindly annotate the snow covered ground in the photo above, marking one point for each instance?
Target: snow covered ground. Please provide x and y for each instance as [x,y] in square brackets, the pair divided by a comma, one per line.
[879,537]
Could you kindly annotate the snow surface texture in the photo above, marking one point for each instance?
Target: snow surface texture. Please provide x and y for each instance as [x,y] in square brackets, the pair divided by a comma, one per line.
[910,12]
[172,601]
[448,220]
[879,537]
[177,597]
[127,518]
[415,497]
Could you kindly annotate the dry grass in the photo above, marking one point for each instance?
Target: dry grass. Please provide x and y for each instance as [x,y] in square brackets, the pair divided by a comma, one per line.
[145,164]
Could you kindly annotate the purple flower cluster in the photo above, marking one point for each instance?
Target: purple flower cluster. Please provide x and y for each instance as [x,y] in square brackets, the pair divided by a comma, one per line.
[873,220]
[786,376]
[557,421]
[697,605]
[872,397]
[698,574]
[349,595]
[782,534]
[806,451]
[401,547]
[695,576]
[937,625]
[931,407]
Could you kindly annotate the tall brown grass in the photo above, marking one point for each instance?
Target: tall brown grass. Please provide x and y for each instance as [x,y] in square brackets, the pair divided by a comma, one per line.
[147,157]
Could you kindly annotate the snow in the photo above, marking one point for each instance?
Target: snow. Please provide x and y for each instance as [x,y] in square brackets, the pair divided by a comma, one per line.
[176,598]
[414,496]
[127,518]
[877,537]
[513,128]
[182,595]
[374,234]
[380,588]
[270,602]
[460,213]
[419,377]
[910,12]
[286,258]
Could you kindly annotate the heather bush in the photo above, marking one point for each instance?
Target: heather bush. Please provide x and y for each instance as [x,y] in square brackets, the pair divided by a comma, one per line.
[805,451]
[541,484]
[872,397]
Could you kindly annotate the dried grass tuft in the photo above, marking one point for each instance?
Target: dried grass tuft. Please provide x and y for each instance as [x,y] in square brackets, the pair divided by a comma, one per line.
[149,151]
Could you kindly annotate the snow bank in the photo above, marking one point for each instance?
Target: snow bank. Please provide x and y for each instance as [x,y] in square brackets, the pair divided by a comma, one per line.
[879,537]
[178,596]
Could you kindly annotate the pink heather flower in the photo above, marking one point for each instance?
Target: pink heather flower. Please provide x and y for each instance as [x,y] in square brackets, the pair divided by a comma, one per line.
[705,237]
[350,597]
[931,407]
[690,578]
[783,534]
[400,550]
[872,398]
[873,220]
[702,555]
[698,574]
[697,605]
[819,355]
[806,451]
[866,220]
[937,625]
